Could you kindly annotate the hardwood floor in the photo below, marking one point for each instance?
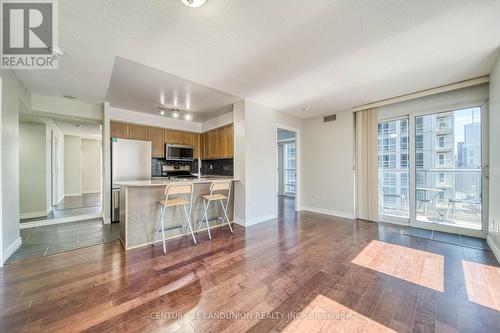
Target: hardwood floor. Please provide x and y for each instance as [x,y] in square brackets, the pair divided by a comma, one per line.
[350,275]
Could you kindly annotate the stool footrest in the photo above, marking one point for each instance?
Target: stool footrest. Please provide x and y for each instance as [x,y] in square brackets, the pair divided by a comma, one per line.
[172,227]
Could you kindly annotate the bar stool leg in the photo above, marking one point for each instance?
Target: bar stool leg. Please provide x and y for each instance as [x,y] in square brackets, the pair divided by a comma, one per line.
[163,230]
[189,225]
[225,215]
[206,205]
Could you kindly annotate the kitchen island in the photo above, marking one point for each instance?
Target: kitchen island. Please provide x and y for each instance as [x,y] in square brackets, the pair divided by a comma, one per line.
[140,209]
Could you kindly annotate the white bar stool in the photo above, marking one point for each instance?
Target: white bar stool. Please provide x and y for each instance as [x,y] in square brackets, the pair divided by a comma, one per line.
[175,189]
[223,192]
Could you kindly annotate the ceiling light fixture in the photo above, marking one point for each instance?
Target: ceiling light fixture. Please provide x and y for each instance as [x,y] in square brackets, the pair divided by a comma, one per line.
[188,116]
[306,109]
[162,112]
[175,113]
[193,3]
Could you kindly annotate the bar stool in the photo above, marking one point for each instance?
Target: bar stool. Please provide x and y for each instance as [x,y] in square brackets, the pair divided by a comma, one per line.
[223,192]
[175,190]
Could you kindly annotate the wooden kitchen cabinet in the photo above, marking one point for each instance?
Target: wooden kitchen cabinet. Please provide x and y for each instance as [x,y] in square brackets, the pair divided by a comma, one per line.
[172,136]
[218,143]
[230,140]
[186,138]
[137,132]
[220,137]
[197,145]
[157,137]
[118,130]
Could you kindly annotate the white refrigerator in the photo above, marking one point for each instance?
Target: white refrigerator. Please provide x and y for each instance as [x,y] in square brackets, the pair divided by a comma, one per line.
[130,160]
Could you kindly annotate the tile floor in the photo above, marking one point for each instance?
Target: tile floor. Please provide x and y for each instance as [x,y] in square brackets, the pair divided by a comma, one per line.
[84,204]
[47,240]
[456,239]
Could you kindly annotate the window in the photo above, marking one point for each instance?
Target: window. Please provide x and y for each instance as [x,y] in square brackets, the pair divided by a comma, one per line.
[441,141]
[393,168]
[404,160]
[289,162]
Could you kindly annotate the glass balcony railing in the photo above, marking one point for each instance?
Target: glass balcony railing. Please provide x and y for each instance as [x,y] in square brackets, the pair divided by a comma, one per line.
[450,196]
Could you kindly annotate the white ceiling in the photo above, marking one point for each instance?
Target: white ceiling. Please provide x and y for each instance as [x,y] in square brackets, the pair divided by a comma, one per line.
[285,54]
[151,87]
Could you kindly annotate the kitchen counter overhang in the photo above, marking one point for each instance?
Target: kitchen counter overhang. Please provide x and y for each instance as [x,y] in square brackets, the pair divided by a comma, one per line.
[140,209]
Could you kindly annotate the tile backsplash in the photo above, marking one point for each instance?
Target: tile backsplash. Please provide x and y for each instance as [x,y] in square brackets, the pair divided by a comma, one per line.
[222,167]
[157,163]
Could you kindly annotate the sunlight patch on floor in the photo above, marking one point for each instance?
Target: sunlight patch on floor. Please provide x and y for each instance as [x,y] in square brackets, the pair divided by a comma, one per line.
[325,315]
[483,284]
[420,267]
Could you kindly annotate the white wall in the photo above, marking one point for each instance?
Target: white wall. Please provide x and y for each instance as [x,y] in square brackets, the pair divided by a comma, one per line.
[219,121]
[51,127]
[328,177]
[255,159]
[91,166]
[15,98]
[494,146]
[72,165]
[32,170]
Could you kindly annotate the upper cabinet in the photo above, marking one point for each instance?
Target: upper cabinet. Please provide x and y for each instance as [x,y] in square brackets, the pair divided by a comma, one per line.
[119,130]
[157,137]
[137,132]
[214,144]
[218,143]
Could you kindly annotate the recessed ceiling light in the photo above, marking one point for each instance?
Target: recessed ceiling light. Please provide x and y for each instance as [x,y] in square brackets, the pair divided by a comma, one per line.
[193,3]
[306,108]
[188,116]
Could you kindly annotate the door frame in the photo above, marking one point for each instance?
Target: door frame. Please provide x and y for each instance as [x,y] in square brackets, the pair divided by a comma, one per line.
[298,160]
[412,221]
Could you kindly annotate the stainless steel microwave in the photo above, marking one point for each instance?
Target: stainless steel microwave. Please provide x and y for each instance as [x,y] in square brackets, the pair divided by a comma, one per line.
[179,152]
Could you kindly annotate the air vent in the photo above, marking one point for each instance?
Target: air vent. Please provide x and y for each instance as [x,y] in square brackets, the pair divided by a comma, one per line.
[327,119]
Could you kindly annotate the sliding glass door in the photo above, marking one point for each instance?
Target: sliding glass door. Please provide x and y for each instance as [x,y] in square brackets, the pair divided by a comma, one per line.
[430,170]
[393,171]
[448,161]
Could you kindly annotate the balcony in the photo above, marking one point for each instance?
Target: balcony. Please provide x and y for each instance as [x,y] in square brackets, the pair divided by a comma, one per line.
[454,200]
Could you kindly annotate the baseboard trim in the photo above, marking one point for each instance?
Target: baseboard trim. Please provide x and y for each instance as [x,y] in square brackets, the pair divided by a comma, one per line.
[11,249]
[259,219]
[33,215]
[240,222]
[106,220]
[59,220]
[494,247]
[91,192]
[73,194]
[328,212]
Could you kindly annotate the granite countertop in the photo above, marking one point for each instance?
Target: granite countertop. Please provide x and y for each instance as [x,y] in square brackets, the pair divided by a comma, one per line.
[165,182]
